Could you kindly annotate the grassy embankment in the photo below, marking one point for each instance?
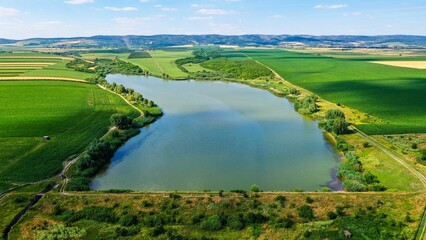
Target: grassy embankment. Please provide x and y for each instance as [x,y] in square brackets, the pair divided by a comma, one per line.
[392,94]
[232,216]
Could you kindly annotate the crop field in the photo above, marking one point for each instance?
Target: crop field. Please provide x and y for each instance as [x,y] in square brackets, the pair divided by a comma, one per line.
[163,61]
[193,68]
[37,65]
[72,114]
[393,94]
[407,64]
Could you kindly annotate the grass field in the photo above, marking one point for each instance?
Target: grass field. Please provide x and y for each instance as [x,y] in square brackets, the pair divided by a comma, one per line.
[72,114]
[393,94]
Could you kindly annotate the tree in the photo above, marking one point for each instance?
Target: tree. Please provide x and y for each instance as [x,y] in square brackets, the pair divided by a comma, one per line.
[254,188]
[120,89]
[121,121]
[336,122]
[334,113]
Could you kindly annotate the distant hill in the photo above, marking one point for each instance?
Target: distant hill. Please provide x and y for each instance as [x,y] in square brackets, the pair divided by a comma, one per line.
[158,41]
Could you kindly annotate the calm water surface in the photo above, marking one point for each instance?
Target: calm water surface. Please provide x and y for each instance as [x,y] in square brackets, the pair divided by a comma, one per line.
[216,135]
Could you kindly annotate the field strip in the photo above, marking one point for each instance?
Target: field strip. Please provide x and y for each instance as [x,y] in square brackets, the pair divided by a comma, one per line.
[36,57]
[406,64]
[26,63]
[41,78]
[158,65]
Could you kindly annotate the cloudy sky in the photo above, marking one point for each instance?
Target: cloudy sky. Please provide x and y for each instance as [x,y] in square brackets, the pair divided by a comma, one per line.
[66,18]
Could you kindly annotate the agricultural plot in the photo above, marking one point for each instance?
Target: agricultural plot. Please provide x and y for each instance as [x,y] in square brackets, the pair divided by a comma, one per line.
[393,94]
[163,61]
[37,65]
[72,114]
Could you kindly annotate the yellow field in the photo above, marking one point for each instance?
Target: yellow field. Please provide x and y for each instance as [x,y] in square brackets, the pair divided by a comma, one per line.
[407,64]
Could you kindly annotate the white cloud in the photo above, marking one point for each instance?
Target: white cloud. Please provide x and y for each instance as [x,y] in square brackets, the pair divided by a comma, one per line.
[8,11]
[215,12]
[166,9]
[336,6]
[79,1]
[277,16]
[158,5]
[354,14]
[125,9]
[144,1]
[200,18]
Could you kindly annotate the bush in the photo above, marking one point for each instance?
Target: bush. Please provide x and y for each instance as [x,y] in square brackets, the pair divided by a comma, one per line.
[331,215]
[254,218]
[78,184]
[197,218]
[254,188]
[283,223]
[212,223]
[309,199]
[120,121]
[235,222]
[127,220]
[305,212]
[281,199]
[95,213]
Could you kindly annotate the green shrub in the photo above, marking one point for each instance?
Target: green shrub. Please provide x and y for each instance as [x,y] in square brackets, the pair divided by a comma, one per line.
[331,215]
[127,220]
[235,222]
[211,223]
[305,212]
[281,199]
[254,188]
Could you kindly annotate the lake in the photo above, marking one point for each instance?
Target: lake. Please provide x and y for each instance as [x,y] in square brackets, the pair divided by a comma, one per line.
[216,135]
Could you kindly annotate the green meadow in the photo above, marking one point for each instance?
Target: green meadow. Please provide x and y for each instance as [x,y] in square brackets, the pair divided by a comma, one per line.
[395,95]
[72,114]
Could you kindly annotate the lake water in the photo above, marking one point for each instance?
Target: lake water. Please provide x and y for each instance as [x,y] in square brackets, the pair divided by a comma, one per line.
[216,135]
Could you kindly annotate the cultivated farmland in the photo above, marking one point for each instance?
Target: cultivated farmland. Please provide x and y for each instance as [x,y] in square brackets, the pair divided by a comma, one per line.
[37,65]
[393,94]
[72,114]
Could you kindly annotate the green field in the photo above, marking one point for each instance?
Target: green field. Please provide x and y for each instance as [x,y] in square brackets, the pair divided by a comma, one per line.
[393,94]
[37,65]
[72,114]
[161,61]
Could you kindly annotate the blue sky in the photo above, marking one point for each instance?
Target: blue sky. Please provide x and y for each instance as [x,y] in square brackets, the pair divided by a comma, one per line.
[66,18]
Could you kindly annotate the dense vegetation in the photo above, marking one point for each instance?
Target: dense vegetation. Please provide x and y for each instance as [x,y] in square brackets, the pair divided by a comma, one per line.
[223,68]
[245,69]
[105,66]
[143,54]
[390,93]
[229,216]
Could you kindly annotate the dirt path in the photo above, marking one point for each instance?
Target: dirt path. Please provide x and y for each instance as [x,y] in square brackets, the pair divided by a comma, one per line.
[127,101]
[158,65]
[40,78]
